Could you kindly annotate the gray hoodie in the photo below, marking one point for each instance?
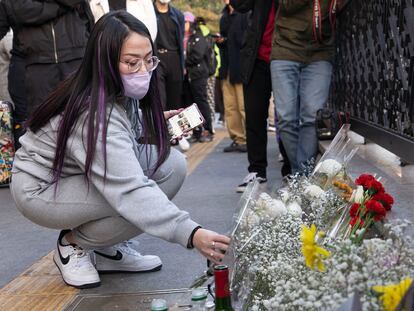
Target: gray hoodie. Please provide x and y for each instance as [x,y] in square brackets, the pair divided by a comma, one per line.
[127,189]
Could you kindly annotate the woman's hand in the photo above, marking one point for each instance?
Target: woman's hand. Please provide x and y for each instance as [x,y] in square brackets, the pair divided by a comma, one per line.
[211,244]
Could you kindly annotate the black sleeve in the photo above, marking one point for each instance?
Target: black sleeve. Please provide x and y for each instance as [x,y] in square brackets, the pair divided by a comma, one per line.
[242,6]
[70,3]
[4,22]
[30,12]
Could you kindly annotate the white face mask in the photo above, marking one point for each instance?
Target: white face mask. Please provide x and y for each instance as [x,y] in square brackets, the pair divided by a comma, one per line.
[165,1]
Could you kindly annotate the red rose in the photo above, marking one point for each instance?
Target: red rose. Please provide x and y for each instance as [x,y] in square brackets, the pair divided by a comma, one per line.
[376,208]
[385,199]
[363,179]
[354,209]
[356,221]
[374,186]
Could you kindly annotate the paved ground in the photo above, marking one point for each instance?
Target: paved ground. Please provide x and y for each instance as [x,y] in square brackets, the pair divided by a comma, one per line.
[209,195]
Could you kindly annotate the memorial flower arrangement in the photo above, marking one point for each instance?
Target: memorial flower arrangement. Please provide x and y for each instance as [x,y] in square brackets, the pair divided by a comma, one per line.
[6,143]
[281,259]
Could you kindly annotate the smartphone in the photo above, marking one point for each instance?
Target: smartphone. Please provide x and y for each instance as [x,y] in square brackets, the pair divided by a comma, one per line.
[185,121]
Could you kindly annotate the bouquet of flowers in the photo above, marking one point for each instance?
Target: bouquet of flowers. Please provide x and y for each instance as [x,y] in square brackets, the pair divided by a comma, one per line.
[370,204]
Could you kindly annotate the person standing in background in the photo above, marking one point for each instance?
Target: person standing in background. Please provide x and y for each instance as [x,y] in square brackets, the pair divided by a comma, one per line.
[211,82]
[301,70]
[198,73]
[141,9]
[257,86]
[53,37]
[170,50]
[232,28]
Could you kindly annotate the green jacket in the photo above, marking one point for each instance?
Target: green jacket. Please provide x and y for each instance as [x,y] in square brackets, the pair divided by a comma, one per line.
[293,37]
[205,31]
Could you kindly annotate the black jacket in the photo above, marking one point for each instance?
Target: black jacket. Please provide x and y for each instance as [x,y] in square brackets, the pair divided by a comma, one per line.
[197,53]
[232,29]
[51,31]
[259,14]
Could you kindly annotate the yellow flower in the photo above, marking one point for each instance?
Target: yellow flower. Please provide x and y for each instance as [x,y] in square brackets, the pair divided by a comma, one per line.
[392,294]
[313,253]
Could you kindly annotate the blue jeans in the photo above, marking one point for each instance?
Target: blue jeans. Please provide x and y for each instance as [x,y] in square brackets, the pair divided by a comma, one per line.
[300,90]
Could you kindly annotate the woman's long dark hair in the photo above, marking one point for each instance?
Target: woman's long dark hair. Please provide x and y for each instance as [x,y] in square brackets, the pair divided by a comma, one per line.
[95,85]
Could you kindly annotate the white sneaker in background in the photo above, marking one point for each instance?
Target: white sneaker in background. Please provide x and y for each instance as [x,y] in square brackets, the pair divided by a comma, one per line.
[248,179]
[271,128]
[75,265]
[184,144]
[122,258]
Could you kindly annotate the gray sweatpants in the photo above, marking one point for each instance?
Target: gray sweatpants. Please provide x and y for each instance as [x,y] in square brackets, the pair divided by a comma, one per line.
[94,223]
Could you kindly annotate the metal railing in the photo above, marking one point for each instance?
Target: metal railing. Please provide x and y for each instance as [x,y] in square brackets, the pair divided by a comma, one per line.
[374,72]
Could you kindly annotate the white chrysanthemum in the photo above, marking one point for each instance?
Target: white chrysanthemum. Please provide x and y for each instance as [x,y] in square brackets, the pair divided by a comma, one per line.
[263,200]
[314,191]
[275,209]
[294,209]
[270,207]
[330,167]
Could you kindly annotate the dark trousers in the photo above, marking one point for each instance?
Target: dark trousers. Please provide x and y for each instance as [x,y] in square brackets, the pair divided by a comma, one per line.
[257,95]
[41,79]
[198,89]
[218,98]
[17,88]
[170,74]
[17,91]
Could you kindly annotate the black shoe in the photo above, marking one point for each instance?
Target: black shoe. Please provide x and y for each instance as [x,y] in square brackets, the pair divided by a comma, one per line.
[235,147]
[242,148]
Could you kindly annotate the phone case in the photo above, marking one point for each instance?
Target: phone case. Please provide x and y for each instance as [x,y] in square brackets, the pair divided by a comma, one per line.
[185,121]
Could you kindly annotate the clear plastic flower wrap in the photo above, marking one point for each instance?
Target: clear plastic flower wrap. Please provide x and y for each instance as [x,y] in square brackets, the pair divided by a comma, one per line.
[330,171]
[242,232]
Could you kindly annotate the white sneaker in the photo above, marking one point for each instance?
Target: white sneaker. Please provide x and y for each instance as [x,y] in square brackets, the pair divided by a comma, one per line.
[184,144]
[248,179]
[75,265]
[122,258]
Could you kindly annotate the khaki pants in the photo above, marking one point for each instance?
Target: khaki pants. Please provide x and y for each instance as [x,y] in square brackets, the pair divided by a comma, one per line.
[234,111]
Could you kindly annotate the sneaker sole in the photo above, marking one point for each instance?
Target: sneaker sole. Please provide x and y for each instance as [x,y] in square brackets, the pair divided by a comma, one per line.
[240,189]
[82,286]
[157,268]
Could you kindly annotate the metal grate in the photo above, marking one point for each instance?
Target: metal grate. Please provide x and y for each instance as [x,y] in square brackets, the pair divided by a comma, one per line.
[374,72]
